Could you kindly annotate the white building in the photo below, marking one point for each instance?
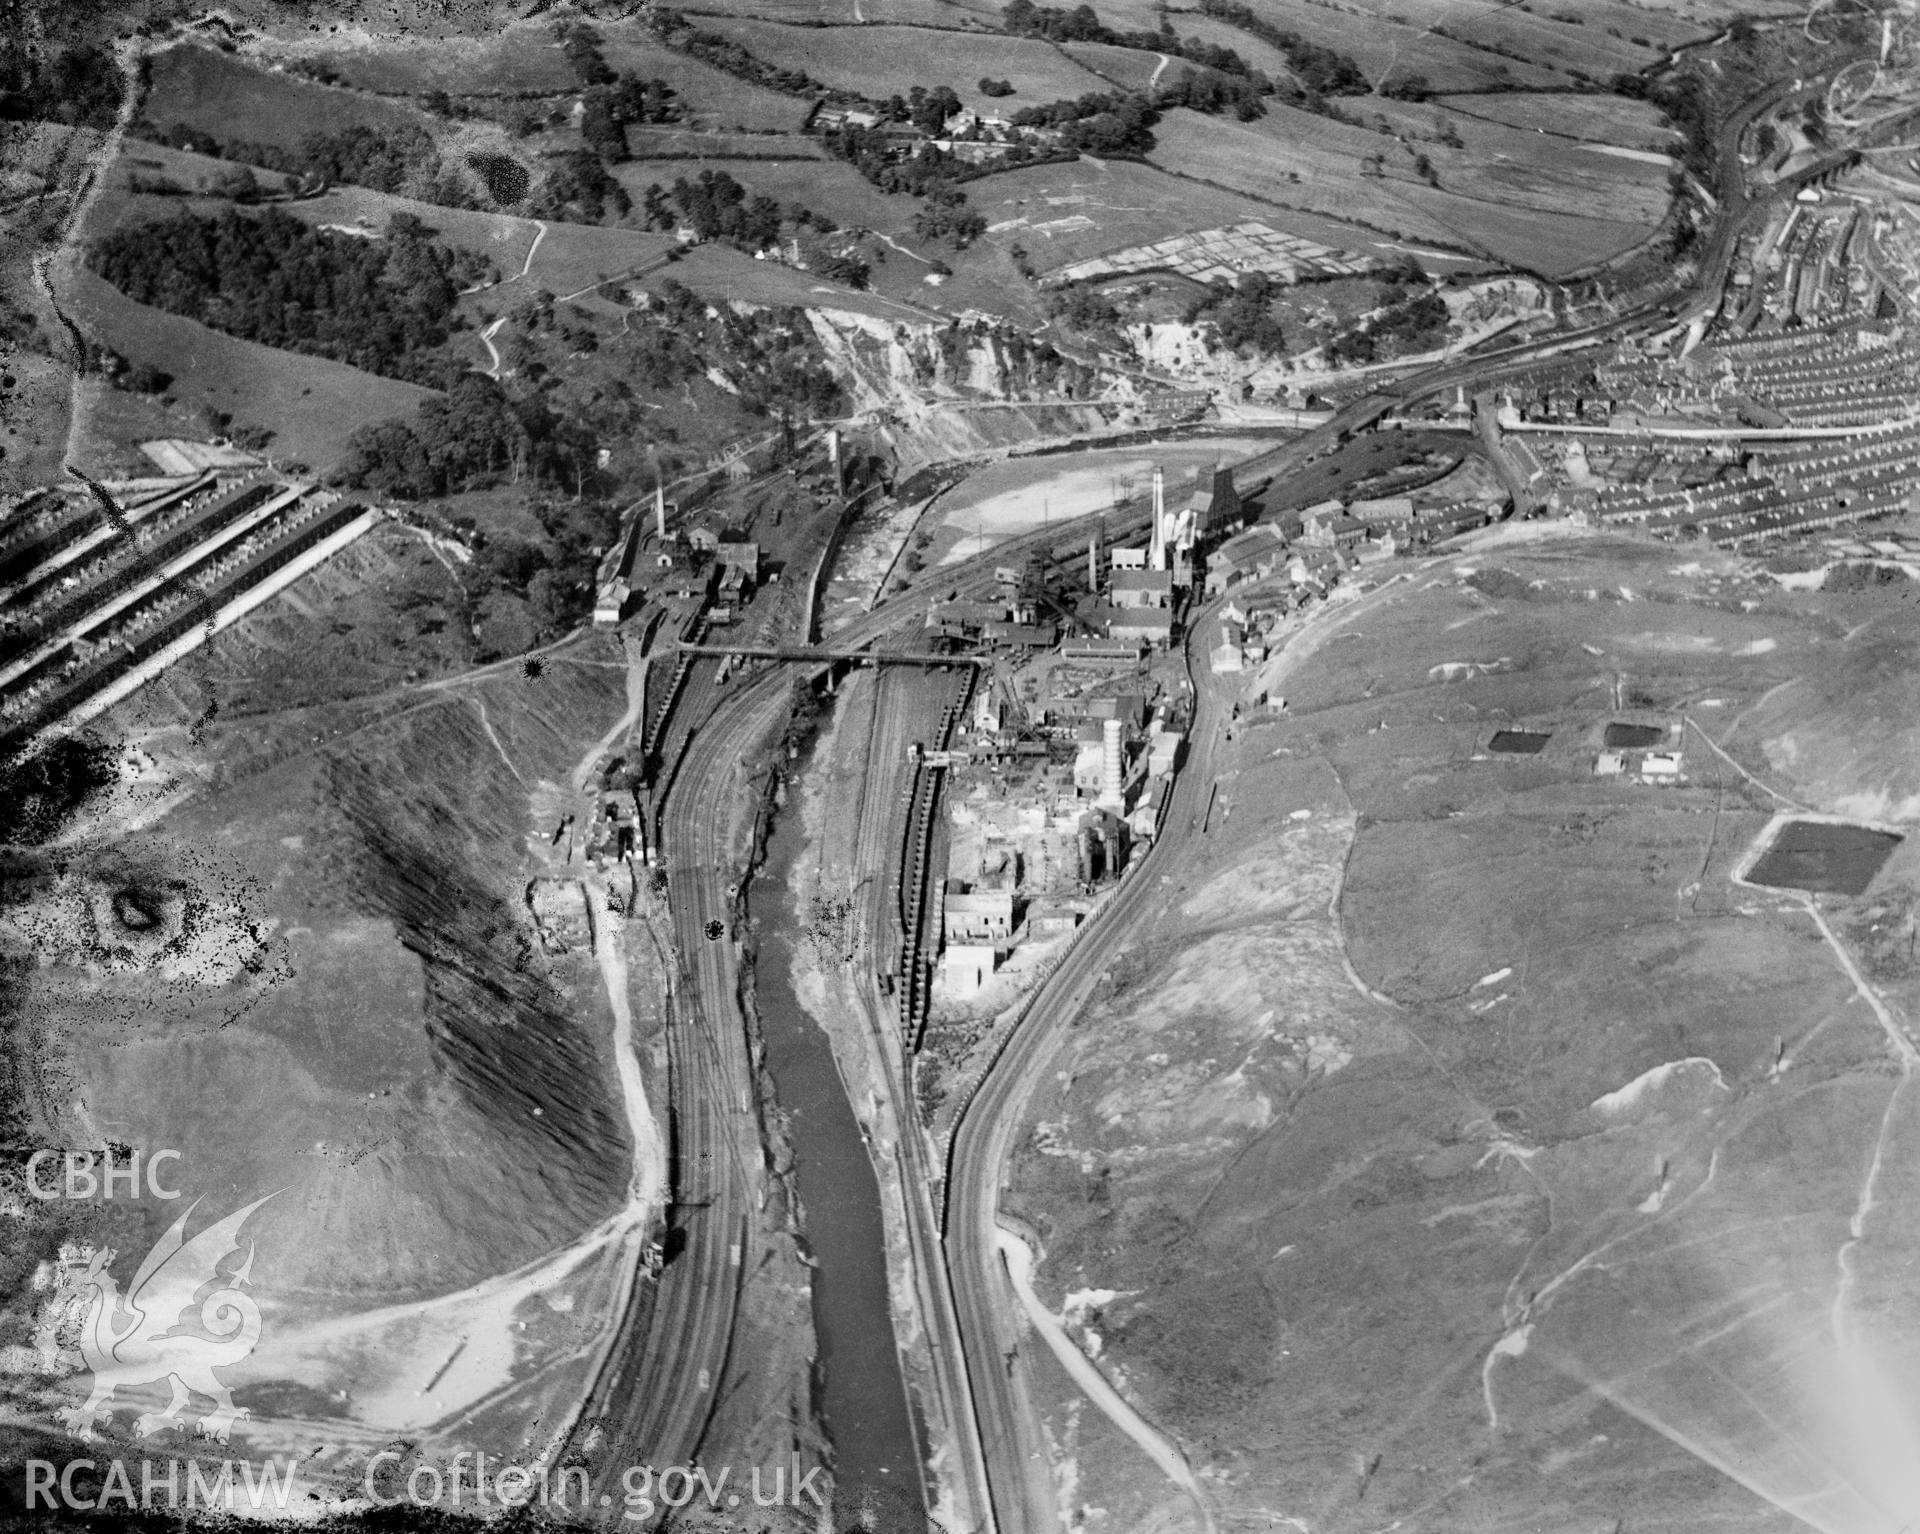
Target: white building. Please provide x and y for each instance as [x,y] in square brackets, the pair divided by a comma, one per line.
[966,967]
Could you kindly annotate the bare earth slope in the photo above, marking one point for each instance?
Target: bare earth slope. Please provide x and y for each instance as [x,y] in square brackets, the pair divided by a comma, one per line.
[1430,1168]
[316,975]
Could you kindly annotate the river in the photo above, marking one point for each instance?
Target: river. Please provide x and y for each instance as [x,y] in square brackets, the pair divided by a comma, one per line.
[858,1386]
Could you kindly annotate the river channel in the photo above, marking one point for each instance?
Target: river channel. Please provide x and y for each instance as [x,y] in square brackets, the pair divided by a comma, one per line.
[858,1386]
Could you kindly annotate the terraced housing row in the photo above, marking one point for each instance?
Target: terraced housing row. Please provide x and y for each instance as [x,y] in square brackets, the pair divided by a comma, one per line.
[98,595]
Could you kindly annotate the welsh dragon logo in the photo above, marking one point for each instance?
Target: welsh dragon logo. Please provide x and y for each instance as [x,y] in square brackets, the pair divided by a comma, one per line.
[166,1329]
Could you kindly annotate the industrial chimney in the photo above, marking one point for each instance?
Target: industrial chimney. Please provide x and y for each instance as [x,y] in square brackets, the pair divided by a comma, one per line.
[1157,538]
[660,510]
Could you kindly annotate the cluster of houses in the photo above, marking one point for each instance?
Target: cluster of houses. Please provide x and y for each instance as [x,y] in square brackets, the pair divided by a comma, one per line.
[975,137]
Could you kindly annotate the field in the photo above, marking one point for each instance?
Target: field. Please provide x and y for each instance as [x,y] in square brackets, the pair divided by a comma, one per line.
[1551,244]
[231,99]
[571,260]
[1294,158]
[521,57]
[1261,55]
[1521,169]
[1636,33]
[1061,214]
[1537,31]
[525,59]
[1131,69]
[311,404]
[716,99]
[1510,194]
[1387,48]
[1596,37]
[878,62]
[1596,119]
[1427,1048]
[946,15]
[568,257]
[677,142]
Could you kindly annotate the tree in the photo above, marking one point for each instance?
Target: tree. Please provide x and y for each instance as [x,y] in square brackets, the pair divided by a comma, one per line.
[655,209]
[388,458]
[382,305]
[79,86]
[579,182]
[1243,316]
[929,110]
[474,435]
[947,216]
[144,378]
[1083,308]
[601,126]
[581,45]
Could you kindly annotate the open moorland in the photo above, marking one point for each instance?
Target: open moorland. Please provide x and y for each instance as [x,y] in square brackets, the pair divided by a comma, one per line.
[1465,1142]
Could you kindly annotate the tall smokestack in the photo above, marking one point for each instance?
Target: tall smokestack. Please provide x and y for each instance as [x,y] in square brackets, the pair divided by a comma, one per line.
[1157,544]
[1093,562]
[833,457]
[660,510]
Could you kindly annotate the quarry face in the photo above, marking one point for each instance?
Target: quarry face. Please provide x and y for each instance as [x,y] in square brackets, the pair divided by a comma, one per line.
[1469,1146]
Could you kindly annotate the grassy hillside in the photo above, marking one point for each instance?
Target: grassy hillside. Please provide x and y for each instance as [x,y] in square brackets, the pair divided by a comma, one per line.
[231,98]
[1343,1122]
[310,404]
[878,62]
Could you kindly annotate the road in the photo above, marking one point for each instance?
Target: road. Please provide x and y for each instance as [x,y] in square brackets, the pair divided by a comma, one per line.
[1019,1468]
[663,1392]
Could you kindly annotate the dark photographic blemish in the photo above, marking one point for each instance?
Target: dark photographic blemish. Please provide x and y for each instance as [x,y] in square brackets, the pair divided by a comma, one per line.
[132,911]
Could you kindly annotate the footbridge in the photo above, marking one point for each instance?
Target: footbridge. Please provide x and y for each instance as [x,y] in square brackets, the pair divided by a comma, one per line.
[832,657]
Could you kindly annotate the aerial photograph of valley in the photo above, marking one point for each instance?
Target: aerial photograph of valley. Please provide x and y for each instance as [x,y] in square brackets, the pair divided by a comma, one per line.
[960,766]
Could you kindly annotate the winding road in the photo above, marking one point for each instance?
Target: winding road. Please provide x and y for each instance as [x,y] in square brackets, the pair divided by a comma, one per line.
[661,1389]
